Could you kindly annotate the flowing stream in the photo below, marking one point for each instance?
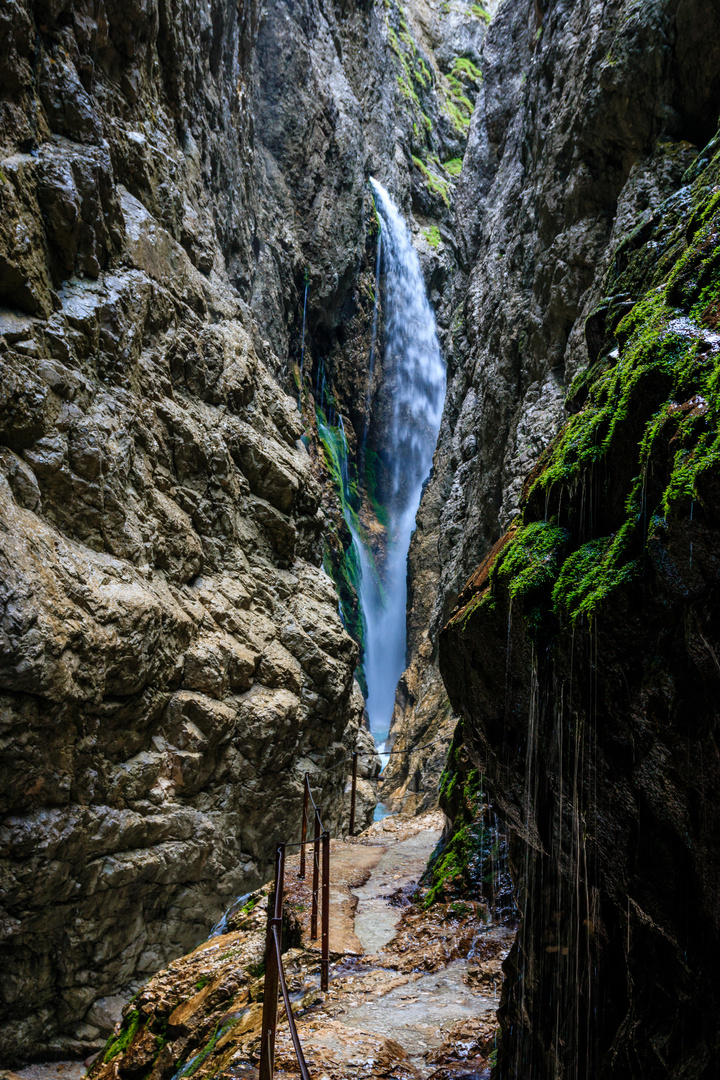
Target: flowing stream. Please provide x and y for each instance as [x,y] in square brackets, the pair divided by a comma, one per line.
[407,413]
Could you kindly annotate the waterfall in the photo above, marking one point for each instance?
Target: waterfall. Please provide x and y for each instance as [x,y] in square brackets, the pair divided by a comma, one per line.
[406,419]
[373,339]
[302,348]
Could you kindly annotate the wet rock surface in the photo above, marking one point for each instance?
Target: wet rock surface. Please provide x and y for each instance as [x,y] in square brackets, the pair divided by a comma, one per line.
[174,177]
[176,180]
[586,119]
[582,659]
[171,656]
[424,1002]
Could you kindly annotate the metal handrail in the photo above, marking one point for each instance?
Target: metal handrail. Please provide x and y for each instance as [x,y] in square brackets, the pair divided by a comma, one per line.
[412,749]
[288,1009]
[386,753]
[274,970]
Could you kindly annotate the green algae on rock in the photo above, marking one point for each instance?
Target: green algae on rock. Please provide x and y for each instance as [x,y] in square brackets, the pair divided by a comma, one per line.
[650,421]
[583,660]
[470,862]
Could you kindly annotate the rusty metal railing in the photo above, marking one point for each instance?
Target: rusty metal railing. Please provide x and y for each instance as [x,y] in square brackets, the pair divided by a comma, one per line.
[274,971]
[274,975]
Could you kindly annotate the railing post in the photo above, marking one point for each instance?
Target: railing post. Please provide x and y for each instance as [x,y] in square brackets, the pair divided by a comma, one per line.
[316,869]
[325,942]
[353,793]
[270,991]
[303,837]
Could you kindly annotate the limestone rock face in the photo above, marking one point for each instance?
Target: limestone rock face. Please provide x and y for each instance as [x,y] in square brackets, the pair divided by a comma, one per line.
[345,91]
[171,656]
[176,180]
[580,654]
[586,119]
[582,657]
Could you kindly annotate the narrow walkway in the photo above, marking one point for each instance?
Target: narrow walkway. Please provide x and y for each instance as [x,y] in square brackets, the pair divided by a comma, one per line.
[412,993]
[416,992]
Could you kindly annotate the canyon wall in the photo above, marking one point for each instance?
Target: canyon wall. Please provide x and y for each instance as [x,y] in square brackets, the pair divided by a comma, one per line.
[184,190]
[585,120]
[171,656]
[582,653]
[187,273]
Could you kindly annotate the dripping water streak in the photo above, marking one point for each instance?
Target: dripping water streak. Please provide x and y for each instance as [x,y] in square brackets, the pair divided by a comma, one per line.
[302,348]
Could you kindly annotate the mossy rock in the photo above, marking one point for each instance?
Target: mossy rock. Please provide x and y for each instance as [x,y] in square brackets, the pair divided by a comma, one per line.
[647,417]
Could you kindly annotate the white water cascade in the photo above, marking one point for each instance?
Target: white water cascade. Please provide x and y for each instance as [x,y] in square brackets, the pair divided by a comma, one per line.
[410,403]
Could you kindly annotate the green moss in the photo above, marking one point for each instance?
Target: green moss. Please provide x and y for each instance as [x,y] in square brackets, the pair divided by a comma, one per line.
[344,571]
[460,909]
[531,560]
[374,468]
[432,235]
[415,77]
[654,355]
[202,982]
[159,1024]
[484,601]
[460,99]
[464,67]
[120,1043]
[480,12]
[590,574]
[650,424]
[435,183]
[192,1066]
[340,561]
[231,953]
[420,71]
[459,864]
[460,117]
[453,166]
[407,90]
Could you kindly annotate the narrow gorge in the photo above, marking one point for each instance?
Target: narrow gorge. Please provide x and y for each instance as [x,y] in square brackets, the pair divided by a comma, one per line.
[359,436]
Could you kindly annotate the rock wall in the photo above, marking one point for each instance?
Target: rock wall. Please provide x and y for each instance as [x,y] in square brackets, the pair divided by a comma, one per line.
[177,180]
[578,131]
[583,657]
[580,652]
[450,37]
[403,79]
[171,656]
[406,76]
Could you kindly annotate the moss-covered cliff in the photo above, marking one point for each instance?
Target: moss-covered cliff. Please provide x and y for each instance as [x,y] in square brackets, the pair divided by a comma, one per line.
[583,657]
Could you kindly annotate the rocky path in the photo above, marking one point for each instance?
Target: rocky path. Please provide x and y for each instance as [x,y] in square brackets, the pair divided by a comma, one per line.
[416,993]
[412,994]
